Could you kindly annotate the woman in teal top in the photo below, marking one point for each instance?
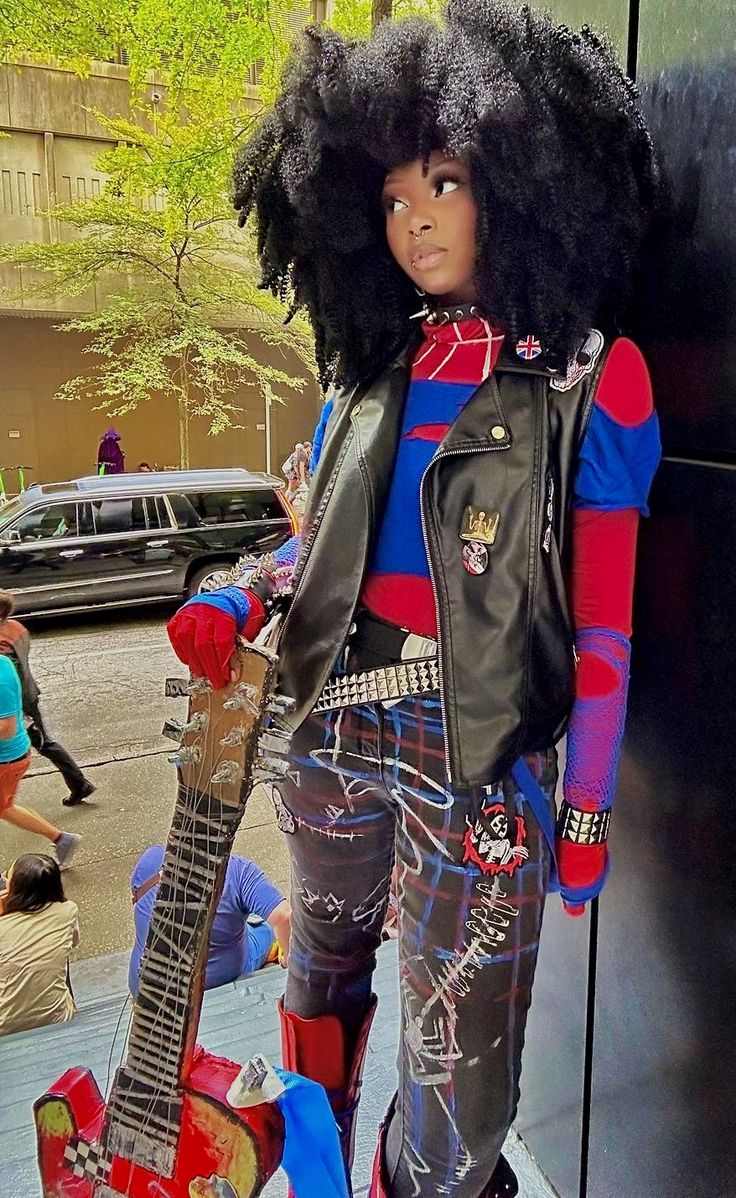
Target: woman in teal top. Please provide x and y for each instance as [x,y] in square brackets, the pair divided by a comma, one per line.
[14,757]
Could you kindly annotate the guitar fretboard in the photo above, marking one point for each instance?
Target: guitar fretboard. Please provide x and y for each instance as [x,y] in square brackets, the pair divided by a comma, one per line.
[143,1113]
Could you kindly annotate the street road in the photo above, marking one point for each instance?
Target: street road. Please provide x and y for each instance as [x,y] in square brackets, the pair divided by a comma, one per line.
[102,682]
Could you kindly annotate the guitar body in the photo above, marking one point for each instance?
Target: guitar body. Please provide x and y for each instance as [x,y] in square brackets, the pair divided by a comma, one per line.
[224,1153]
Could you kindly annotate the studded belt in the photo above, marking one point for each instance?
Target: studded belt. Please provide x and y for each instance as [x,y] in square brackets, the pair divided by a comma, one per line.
[384,684]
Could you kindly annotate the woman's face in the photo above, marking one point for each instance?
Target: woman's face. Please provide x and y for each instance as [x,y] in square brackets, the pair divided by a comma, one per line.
[430,226]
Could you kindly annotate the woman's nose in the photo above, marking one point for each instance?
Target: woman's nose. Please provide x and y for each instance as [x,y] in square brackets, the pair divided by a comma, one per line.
[419,226]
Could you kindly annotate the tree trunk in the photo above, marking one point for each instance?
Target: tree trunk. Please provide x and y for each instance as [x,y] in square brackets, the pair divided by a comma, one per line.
[380,11]
[183,403]
[183,406]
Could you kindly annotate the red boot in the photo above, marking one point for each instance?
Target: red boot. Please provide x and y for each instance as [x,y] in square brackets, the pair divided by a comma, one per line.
[316,1049]
[503,1183]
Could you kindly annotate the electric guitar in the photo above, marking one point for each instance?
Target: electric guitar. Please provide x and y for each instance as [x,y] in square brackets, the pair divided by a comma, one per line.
[180,1122]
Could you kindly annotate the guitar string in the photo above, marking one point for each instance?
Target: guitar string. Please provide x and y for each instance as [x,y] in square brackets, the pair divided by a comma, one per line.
[126,1000]
[186,798]
[208,827]
[184,830]
[209,835]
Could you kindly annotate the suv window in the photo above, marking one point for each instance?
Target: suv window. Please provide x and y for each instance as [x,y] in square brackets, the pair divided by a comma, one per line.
[158,513]
[56,520]
[184,513]
[116,515]
[234,507]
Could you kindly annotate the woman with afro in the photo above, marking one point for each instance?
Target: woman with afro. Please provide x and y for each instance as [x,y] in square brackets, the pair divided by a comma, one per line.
[458,209]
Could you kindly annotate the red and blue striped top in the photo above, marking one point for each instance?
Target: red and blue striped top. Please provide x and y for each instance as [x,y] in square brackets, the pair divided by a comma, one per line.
[618,457]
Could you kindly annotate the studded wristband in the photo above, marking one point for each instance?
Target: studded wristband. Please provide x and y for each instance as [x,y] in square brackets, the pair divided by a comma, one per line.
[583,827]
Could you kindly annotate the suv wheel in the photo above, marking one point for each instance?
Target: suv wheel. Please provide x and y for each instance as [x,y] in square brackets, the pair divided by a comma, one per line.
[208,578]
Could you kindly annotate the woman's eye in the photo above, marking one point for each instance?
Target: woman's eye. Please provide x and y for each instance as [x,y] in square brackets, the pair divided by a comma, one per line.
[392,204]
[444,186]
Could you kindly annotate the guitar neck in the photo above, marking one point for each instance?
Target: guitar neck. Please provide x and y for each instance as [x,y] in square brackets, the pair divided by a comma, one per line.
[216,761]
[169,1000]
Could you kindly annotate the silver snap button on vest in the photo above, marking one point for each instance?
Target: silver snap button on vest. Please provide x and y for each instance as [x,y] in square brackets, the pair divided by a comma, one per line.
[498,432]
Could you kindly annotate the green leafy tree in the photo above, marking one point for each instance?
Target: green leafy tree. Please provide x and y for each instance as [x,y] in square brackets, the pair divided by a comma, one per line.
[161,236]
[356,18]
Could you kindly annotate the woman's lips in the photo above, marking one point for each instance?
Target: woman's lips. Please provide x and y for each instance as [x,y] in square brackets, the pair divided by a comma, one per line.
[427,256]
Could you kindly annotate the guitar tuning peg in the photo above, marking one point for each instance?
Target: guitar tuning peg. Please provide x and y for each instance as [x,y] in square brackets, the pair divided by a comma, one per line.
[277,766]
[176,688]
[173,729]
[281,705]
[198,686]
[227,771]
[198,722]
[243,698]
[263,777]
[236,736]
[176,729]
[186,755]
[273,740]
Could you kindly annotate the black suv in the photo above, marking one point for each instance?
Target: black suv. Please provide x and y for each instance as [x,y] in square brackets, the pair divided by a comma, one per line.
[135,538]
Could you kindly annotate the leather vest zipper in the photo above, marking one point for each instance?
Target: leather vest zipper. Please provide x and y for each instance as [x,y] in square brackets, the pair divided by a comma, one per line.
[319,514]
[446,453]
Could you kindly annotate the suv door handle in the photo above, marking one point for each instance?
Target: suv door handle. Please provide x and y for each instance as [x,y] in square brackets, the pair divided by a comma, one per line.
[157,544]
[70,552]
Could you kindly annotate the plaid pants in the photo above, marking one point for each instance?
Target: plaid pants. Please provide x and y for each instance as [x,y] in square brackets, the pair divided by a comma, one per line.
[369,787]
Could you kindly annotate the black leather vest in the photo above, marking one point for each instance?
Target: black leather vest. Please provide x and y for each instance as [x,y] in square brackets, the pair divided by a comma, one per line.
[505,635]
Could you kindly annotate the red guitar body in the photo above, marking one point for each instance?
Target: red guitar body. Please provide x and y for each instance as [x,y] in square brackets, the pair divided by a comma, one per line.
[223,1152]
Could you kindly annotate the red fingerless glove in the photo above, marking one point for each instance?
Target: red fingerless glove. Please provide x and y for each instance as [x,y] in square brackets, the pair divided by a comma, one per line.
[580,867]
[203,632]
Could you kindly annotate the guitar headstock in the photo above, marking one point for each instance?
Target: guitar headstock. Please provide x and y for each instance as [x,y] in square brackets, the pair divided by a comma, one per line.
[219,740]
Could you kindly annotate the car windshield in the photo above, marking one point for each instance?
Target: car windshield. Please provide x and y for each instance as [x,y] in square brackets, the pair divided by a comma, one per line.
[8,511]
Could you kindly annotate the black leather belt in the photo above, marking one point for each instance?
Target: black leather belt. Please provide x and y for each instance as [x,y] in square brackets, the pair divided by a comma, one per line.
[375,642]
[385,664]
[383,684]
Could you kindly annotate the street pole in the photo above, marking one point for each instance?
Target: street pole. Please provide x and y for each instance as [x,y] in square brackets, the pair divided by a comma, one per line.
[267,398]
[589,1050]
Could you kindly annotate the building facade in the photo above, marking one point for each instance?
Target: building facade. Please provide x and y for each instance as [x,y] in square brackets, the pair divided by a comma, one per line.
[50,155]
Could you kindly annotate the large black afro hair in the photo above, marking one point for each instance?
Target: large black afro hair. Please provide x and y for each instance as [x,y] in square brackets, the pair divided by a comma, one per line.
[561,161]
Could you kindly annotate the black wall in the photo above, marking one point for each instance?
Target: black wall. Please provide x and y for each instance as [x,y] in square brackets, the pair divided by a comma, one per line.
[663,1109]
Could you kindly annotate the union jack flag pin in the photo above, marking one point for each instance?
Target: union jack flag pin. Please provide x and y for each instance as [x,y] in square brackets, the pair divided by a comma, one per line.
[528,348]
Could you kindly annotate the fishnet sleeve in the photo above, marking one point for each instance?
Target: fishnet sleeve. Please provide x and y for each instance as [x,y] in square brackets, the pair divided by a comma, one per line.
[596,727]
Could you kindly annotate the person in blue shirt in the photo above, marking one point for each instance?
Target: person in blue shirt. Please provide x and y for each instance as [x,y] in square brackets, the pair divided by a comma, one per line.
[237,946]
[15,748]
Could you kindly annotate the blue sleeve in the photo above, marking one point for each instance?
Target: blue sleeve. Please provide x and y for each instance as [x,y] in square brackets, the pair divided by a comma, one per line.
[255,894]
[147,865]
[232,600]
[319,433]
[312,1159]
[617,463]
[9,690]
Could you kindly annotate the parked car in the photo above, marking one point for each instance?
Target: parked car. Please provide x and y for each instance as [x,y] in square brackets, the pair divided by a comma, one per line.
[135,538]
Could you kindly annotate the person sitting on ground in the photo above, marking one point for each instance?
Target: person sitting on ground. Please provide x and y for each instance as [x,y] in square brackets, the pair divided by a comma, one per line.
[39,927]
[15,643]
[237,945]
[15,754]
